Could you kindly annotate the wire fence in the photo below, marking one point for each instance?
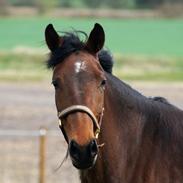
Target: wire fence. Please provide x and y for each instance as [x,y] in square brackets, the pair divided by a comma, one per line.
[33,157]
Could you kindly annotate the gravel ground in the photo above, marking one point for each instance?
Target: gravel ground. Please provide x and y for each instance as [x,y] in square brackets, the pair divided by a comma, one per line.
[30,106]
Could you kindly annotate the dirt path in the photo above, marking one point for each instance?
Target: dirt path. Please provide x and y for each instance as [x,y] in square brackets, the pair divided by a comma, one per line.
[29,106]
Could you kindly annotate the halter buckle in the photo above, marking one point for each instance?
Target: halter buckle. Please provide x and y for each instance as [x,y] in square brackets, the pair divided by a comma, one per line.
[97,133]
[59,122]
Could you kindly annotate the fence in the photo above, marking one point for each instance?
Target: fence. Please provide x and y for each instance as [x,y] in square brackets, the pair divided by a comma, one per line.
[33,156]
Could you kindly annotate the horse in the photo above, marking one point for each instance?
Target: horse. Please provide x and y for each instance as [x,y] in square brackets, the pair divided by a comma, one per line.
[114,133]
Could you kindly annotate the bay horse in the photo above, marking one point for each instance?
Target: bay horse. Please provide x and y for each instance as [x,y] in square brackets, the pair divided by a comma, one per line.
[114,133]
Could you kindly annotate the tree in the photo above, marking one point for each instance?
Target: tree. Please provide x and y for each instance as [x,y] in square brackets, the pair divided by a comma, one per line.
[66,3]
[93,3]
[148,3]
[115,3]
[46,5]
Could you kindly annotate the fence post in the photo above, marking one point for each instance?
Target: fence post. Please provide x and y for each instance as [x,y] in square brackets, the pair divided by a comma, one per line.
[42,156]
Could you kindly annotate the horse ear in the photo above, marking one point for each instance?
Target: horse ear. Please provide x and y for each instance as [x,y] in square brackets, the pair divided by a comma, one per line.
[53,40]
[96,39]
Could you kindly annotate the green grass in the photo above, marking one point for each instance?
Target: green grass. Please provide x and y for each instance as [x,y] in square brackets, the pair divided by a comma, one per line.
[149,68]
[32,67]
[23,67]
[146,49]
[135,37]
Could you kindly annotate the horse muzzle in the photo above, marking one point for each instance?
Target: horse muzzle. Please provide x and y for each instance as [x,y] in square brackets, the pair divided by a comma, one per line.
[83,157]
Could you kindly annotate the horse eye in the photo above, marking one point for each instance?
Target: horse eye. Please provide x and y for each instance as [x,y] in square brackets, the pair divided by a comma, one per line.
[55,84]
[103,83]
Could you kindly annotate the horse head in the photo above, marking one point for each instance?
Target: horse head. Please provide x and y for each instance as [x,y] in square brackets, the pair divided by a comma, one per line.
[79,81]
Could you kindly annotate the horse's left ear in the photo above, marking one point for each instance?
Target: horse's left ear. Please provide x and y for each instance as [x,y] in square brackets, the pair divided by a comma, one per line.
[96,39]
[53,40]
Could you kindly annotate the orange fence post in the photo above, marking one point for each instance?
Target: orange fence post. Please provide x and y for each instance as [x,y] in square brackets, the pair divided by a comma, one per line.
[42,156]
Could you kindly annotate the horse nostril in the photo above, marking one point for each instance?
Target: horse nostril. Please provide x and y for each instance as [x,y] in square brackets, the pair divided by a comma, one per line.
[93,148]
[82,153]
[74,149]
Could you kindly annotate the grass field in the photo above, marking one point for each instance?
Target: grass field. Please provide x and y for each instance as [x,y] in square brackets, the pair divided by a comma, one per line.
[32,67]
[144,49]
[139,37]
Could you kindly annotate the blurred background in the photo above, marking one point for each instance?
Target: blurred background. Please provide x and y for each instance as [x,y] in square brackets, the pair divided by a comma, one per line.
[145,38]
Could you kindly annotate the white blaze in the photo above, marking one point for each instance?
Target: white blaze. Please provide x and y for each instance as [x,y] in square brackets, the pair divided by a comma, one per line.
[79,66]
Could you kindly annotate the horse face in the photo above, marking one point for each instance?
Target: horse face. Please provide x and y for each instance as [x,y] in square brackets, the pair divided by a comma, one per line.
[80,80]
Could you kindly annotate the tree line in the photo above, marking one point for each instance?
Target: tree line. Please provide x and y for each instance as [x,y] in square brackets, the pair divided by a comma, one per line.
[91,3]
[45,5]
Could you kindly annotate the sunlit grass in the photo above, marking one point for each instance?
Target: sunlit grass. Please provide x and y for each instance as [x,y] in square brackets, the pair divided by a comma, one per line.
[23,67]
[32,67]
[149,68]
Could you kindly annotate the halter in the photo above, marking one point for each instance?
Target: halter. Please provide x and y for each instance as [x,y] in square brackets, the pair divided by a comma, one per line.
[81,108]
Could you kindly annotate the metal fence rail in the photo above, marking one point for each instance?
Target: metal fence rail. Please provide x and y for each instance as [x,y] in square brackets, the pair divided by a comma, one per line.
[28,133]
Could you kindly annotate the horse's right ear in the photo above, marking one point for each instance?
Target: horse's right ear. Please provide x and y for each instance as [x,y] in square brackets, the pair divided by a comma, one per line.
[96,39]
[53,40]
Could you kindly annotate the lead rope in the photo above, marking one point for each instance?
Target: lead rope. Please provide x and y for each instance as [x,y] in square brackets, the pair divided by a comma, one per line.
[100,123]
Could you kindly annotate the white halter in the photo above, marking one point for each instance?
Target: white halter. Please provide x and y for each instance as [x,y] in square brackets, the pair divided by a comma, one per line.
[81,108]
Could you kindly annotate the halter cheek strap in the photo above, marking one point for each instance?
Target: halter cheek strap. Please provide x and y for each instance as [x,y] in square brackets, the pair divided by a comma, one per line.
[81,108]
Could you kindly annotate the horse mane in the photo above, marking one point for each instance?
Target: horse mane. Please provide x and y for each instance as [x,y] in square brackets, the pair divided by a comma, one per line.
[72,43]
[161,99]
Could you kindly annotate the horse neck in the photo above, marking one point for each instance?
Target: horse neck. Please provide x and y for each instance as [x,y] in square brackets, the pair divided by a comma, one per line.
[124,104]
[121,134]
[122,126]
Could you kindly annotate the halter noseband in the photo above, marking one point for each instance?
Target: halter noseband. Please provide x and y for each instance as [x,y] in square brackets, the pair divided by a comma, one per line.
[81,108]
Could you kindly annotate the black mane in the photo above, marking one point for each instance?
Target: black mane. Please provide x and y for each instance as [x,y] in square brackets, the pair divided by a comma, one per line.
[72,43]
